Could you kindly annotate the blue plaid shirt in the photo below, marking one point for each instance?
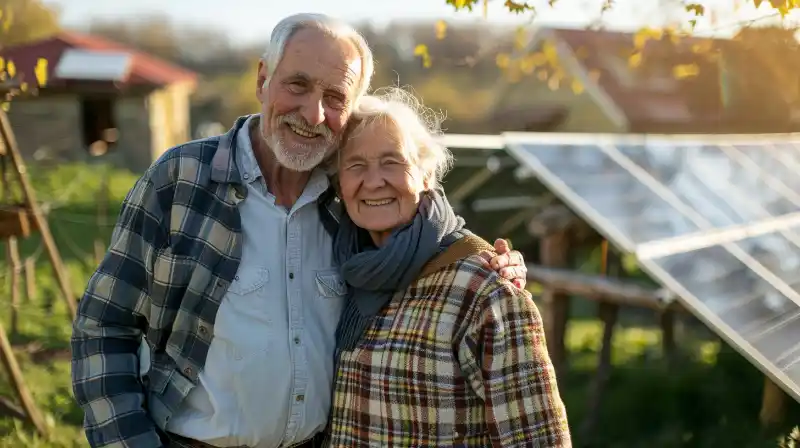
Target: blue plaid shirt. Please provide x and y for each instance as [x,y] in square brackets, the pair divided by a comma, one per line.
[175,250]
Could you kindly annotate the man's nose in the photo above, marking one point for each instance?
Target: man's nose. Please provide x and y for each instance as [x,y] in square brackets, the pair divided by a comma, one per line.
[313,111]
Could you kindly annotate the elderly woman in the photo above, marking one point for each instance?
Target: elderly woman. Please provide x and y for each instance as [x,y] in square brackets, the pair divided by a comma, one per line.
[434,349]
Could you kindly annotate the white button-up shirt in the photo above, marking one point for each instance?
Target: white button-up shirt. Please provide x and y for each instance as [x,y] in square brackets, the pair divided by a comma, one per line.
[267,379]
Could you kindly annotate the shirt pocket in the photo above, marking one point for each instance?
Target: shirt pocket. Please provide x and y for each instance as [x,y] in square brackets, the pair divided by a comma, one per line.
[330,285]
[244,322]
[249,280]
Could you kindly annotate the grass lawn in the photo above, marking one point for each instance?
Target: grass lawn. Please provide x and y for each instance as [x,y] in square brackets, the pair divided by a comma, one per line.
[710,400]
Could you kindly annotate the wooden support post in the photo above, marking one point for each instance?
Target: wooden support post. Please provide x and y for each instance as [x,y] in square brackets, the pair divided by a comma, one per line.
[18,384]
[611,265]
[30,278]
[102,218]
[554,250]
[773,405]
[15,270]
[29,198]
[667,323]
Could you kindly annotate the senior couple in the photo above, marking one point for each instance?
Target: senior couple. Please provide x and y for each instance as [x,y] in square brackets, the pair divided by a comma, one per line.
[302,281]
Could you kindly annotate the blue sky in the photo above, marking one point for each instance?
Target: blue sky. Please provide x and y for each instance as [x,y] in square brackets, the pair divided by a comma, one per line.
[252,20]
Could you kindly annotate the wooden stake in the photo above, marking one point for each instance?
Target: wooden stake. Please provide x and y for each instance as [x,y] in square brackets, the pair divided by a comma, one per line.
[773,405]
[18,384]
[554,251]
[29,198]
[102,218]
[15,268]
[30,278]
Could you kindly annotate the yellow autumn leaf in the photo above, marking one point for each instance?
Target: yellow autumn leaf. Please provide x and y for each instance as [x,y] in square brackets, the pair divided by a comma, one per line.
[643,35]
[11,68]
[537,59]
[577,87]
[527,66]
[23,87]
[502,60]
[6,106]
[41,72]
[441,29]
[635,60]
[684,71]
[550,52]
[421,50]
[2,64]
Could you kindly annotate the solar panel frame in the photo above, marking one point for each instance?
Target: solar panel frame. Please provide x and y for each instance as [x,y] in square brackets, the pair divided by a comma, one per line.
[780,362]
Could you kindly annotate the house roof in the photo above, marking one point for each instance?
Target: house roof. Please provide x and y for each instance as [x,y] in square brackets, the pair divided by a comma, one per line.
[144,69]
[651,95]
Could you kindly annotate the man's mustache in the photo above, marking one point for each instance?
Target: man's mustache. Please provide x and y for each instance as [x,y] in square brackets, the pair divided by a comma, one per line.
[300,122]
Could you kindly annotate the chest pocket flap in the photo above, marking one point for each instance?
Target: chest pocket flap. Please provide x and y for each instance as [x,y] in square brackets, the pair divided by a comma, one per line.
[248,280]
[331,284]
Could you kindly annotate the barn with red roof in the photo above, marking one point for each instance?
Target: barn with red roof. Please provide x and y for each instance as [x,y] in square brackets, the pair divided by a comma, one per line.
[99,97]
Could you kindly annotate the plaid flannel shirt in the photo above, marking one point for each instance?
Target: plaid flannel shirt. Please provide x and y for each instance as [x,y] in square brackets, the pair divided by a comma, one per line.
[174,251]
[457,359]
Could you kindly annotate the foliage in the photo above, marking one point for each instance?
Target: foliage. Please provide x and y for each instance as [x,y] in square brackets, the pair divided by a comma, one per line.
[22,21]
[545,63]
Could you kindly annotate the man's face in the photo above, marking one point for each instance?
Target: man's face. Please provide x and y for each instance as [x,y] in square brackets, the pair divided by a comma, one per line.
[307,101]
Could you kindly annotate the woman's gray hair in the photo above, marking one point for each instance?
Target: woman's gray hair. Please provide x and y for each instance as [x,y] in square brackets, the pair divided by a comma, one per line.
[332,27]
[419,129]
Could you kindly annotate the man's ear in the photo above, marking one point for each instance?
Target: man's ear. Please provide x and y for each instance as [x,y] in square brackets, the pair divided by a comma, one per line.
[262,80]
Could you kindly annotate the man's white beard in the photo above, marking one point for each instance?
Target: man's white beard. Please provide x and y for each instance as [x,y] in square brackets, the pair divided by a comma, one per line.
[304,158]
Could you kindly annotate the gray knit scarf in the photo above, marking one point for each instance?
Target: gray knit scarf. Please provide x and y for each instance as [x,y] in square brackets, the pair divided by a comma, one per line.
[374,274]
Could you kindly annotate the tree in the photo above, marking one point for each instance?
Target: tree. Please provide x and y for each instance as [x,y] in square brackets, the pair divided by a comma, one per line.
[22,21]
[647,43]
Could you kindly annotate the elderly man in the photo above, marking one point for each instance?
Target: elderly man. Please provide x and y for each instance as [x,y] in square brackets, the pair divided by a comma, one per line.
[221,262]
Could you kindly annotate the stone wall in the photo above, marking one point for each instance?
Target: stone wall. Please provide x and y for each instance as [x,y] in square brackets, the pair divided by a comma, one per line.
[47,128]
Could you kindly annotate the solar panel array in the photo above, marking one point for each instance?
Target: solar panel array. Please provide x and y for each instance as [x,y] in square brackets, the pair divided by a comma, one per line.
[714,219]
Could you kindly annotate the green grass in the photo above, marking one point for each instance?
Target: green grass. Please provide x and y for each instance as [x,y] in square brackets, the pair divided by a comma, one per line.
[711,399]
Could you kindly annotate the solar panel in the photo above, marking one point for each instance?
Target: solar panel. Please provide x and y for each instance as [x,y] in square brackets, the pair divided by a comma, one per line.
[93,65]
[758,315]
[714,219]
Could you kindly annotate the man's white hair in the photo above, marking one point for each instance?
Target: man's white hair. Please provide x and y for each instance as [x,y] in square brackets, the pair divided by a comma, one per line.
[332,27]
[418,128]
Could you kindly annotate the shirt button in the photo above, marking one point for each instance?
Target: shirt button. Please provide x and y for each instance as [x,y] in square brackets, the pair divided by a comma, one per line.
[203,330]
[246,176]
[300,398]
[188,371]
[291,275]
[296,340]
[236,278]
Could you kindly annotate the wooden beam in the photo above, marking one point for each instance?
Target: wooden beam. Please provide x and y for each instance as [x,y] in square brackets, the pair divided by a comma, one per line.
[773,405]
[554,251]
[29,196]
[600,288]
[17,380]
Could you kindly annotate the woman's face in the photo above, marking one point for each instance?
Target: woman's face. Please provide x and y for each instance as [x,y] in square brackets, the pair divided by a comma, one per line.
[379,185]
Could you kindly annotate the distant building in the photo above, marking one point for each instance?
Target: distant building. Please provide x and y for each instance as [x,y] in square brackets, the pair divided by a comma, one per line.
[748,84]
[99,96]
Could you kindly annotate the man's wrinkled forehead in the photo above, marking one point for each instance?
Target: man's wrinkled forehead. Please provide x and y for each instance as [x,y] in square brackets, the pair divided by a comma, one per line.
[323,59]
